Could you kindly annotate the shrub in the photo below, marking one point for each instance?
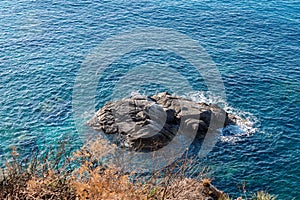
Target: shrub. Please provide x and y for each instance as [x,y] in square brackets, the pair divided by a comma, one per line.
[60,174]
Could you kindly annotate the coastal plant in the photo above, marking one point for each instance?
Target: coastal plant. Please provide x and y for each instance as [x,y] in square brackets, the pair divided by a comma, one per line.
[38,178]
[262,195]
[60,174]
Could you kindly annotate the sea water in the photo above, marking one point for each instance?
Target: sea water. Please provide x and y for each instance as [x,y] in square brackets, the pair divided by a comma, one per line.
[255,46]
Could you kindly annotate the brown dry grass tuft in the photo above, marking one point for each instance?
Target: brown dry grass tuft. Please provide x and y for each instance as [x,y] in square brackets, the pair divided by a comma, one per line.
[262,195]
[206,182]
[82,175]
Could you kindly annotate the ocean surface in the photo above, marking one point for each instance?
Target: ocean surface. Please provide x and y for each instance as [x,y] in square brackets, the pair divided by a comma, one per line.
[255,46]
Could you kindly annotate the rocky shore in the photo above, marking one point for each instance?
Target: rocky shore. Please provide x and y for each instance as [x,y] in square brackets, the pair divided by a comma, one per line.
[150,122]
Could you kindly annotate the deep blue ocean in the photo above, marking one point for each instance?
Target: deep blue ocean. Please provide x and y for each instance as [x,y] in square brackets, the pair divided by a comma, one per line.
[254,44]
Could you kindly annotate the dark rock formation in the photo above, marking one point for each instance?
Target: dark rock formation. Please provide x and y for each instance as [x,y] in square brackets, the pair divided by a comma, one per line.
[149,123]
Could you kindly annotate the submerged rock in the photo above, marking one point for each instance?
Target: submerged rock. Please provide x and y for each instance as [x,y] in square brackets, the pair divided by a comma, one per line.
[149,123]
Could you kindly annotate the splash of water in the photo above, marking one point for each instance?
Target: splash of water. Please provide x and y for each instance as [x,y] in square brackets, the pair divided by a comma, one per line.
[246,122]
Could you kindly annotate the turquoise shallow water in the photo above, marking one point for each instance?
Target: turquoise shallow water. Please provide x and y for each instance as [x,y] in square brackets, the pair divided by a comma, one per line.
[254,44]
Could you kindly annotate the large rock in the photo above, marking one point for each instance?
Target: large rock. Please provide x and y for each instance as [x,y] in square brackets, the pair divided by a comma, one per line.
[149,123]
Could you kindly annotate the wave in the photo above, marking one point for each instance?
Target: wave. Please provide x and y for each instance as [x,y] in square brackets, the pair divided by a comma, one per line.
[246,124]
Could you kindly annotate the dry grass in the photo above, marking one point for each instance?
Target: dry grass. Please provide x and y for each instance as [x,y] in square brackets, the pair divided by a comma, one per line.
[262,195]
[83,175]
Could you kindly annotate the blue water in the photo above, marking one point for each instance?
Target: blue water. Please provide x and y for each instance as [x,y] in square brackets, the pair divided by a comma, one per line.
[254,44]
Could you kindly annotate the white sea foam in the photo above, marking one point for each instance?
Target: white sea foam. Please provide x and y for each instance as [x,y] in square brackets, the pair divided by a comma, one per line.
[246,122]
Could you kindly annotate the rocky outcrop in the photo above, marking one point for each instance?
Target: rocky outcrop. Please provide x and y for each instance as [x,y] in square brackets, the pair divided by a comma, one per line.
[148,123]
